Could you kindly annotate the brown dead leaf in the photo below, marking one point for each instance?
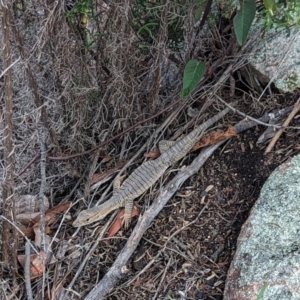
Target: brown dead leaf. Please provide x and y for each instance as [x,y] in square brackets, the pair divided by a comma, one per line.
[118,222]
[28,232]
[153,154]
[207,140]
[100,176]
[50,215]
[138,282]
[106,158]
[37,263]
[214,138]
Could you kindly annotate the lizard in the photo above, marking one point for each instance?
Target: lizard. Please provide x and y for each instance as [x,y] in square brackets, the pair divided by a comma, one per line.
[144,177]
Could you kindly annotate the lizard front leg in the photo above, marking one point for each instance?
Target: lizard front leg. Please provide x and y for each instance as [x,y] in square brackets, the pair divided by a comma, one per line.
[127,213]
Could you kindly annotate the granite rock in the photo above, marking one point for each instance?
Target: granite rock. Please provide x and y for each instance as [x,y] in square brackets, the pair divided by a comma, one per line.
[268,248]
[277,58]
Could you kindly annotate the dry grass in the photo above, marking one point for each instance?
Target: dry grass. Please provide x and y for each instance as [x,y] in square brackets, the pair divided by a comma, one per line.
[89,82]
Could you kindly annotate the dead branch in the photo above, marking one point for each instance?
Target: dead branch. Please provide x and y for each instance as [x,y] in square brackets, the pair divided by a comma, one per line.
[119,269]
[8,254]
[43,139]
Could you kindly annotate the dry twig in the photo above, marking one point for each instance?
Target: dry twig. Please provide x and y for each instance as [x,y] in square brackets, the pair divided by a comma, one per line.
[258,121]
[27,271]
[284,125]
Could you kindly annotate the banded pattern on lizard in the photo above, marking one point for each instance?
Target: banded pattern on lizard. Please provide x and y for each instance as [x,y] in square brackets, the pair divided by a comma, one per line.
[144,177]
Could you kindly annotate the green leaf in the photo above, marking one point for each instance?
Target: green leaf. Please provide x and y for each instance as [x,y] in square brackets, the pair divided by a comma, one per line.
[146,28]
[193,73]
[200,6]
[243,20]
[262,291]
[270,5]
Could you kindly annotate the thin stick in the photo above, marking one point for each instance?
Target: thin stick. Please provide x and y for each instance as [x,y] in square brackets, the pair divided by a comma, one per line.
[29,164]
[20,232]
[42,132]
[27,271]
[12,64]
[254,119]
[163,277]
[286,123]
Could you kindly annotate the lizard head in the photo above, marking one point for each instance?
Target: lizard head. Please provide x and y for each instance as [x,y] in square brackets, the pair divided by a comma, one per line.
[92,215]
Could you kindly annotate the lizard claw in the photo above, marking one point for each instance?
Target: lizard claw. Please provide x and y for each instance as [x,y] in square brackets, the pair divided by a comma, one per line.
[126,221]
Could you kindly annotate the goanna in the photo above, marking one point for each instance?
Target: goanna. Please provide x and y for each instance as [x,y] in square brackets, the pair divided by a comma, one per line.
[144,177]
